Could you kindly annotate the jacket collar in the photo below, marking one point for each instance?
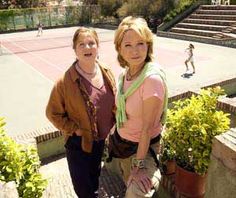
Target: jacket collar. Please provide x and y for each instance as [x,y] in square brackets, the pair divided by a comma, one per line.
[73,73]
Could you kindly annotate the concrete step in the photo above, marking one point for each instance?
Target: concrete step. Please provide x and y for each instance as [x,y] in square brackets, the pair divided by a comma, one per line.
[228,42]
[203,33]
[216,12]
[231,35]
[222,35]
[195,37]
[213,17]
[231,30]
[198,37]
[209,22]
[216,7]
[201,26]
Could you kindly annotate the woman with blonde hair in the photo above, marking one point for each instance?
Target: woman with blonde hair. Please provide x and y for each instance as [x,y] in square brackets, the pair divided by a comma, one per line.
[141,109]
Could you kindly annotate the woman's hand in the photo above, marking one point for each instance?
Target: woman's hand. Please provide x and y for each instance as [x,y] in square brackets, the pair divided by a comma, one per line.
[78,132]
[140,177]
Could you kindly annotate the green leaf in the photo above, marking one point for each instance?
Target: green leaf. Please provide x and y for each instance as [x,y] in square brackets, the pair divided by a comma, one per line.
[193,123]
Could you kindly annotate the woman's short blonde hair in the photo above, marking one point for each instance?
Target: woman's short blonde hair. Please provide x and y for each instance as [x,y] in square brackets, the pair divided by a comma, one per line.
[139,25]
[84,30]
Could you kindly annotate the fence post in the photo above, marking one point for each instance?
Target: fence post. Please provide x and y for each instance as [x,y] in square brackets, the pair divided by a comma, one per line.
[49,16]
[32,20]
[13,21]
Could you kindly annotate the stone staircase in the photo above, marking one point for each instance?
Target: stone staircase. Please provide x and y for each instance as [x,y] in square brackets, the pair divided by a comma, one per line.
[215,24]
[209,21]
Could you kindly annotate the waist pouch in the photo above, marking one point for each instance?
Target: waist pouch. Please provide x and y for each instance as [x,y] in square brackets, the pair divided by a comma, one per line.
[119,147]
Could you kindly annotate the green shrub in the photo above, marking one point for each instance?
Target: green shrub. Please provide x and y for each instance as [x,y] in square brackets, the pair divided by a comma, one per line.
[167,150]
[21,164]
[233,2]
[180,7]
[167,18]
[146,9]
[109,7]
[191,126]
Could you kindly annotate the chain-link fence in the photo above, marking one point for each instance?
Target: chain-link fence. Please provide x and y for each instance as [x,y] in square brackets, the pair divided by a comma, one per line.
[20,19]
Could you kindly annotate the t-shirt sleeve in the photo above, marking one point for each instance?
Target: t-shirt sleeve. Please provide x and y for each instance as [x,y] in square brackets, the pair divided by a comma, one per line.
[153,86]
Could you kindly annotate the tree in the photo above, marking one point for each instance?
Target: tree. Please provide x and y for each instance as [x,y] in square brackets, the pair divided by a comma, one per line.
[151,10]
[110,7]
[5,4]
[59,1]
[90,2]
[144,8]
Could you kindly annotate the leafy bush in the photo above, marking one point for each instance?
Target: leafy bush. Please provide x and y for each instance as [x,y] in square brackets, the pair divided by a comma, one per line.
[191,126]
[21,164]
[180,7]
[109,7]
[233,2]
[167,151]
[142,8]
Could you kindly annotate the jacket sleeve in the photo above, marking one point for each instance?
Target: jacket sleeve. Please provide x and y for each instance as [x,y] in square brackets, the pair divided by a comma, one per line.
[56,112]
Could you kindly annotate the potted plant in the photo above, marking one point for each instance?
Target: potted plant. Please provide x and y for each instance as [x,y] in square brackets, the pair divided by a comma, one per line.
[191,126]
[167,156]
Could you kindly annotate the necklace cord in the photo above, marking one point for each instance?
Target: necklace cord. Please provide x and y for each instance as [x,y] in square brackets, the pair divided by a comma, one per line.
[88,73]
[133,75]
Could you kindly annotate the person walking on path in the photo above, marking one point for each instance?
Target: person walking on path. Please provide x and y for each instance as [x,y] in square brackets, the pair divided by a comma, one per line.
[141,109]
[82,105]
[40,29]
[190,59]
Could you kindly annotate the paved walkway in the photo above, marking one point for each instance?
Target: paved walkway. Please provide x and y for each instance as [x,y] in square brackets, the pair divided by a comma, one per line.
[60,185]
[24,93]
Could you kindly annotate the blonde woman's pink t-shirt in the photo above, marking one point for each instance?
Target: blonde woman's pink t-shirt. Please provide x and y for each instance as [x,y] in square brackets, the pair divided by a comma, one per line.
[132,128]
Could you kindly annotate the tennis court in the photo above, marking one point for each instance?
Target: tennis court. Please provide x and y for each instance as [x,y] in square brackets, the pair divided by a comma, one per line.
[51,54]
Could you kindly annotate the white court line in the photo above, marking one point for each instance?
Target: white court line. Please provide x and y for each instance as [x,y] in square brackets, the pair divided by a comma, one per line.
[43,59]
[30,66]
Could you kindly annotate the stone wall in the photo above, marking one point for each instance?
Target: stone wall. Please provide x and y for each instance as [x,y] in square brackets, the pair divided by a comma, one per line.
[8,190]
[221,181]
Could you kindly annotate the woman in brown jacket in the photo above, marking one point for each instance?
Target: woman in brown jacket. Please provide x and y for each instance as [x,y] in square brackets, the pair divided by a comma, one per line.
[81,105]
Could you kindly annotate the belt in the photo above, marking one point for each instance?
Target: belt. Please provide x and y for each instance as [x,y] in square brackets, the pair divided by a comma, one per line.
[153,141]
[152,152]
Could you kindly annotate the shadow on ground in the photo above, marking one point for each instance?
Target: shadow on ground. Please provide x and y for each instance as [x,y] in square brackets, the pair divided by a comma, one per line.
[111,184]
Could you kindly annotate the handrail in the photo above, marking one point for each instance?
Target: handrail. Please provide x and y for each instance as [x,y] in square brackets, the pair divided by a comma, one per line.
[220,2]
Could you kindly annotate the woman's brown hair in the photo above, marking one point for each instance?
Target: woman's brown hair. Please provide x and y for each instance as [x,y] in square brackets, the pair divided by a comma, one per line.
[84,30]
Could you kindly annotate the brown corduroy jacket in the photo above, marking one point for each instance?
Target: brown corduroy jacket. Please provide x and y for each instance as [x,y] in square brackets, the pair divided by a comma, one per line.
[66,107]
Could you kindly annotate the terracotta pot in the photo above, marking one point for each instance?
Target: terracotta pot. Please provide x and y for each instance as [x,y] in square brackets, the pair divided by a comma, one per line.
[170,167]
[189,183]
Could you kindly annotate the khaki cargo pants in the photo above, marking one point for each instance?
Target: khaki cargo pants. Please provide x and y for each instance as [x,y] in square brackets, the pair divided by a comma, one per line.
[133,190]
